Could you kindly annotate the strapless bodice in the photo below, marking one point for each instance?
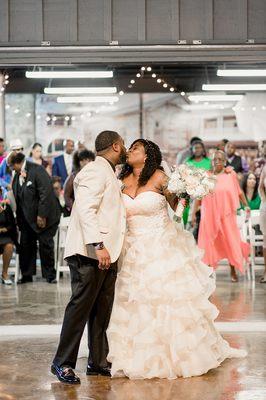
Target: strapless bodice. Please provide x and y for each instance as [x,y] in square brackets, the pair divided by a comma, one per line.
[146,212]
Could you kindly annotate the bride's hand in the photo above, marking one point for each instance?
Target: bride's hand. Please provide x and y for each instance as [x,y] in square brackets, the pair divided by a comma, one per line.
[103,258]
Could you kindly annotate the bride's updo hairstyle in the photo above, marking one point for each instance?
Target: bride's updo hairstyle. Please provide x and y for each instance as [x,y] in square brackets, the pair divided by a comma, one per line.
[152,162]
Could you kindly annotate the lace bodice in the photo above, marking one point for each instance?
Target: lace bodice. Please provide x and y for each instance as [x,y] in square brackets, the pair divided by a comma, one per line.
[146,212]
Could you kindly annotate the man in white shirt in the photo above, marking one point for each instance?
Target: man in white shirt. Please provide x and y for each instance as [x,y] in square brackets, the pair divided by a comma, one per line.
[62,165]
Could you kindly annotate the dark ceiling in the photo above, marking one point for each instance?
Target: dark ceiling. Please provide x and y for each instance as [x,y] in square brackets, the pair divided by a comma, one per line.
[183,77]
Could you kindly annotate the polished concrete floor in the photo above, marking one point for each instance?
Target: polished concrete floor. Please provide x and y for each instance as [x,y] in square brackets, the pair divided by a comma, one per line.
[30,317]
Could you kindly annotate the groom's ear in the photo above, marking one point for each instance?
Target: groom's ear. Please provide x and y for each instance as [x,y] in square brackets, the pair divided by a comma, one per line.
[116,147]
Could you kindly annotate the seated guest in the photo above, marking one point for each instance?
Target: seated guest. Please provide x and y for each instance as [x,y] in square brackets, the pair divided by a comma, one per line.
[250,188]
[62,165]
[80,159]
[8,237]
[219,235]
[260,161]
[38,217]
[262,193]
[238,163]
[56,182]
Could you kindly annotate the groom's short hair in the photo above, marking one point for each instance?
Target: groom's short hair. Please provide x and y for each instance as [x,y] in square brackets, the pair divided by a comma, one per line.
[105,139]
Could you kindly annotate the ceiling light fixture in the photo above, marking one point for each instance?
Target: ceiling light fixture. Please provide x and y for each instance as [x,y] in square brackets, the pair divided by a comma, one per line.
[68,74]
[80,90]
[236,87]
[241,72]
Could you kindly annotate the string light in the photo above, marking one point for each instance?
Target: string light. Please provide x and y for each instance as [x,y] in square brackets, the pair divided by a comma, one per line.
[121,93]
[148,69]
[132,81]
[154,75]
[4,83]
[138,75]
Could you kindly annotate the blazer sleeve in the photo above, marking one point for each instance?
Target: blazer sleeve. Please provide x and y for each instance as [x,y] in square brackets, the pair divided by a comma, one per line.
[45,190]
[89,191]
[69,192]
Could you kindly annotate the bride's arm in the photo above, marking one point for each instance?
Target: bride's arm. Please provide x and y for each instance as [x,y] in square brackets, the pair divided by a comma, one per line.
[162,185]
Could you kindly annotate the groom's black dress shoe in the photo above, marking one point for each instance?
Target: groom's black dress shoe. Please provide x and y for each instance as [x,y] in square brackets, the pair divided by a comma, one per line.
[98,371]
[65,374]
[25,279]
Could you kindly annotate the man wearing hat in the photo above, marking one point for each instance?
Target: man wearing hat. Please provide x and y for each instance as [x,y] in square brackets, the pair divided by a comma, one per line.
[93,244]
[16,146]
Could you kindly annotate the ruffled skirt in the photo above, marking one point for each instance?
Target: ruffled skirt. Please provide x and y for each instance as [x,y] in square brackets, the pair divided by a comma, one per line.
[162,321]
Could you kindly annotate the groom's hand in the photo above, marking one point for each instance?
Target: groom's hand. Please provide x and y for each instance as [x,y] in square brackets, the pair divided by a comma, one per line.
[103,258]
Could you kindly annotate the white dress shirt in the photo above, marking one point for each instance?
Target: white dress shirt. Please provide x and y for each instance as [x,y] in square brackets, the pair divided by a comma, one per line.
[68,162]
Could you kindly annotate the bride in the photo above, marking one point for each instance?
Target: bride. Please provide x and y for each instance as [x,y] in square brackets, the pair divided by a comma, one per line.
[162,321]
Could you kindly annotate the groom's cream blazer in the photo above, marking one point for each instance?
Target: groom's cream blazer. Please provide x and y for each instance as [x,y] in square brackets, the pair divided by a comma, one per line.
[98,213]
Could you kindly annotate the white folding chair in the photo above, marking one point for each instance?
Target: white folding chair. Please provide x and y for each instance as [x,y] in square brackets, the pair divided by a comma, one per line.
[243,228]
[60,240]
[256,240]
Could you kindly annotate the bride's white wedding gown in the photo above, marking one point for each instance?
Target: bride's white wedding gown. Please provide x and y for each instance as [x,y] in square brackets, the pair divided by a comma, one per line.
[162,321]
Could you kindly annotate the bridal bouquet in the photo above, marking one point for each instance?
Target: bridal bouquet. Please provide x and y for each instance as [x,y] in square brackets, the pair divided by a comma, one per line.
[187,183]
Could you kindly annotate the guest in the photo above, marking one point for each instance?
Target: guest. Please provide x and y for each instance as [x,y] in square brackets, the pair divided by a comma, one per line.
[2,150]
[80,159]
[56,182]
[219,236]
[198,159]
[8,237]
[37,216]
[262,193]
[250,188]
[62,165]
[260,161]
[36,155]
[238,163]
[221,145]
[184,154]
[16,146]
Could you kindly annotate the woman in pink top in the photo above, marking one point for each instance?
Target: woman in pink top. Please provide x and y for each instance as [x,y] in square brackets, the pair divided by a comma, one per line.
[262,193]
[219,235]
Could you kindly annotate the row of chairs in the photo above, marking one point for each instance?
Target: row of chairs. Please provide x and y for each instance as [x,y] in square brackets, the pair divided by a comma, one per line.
[246,227]
[250,234]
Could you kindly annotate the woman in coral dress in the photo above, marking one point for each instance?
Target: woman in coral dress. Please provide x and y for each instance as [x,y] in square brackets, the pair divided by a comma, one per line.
[219,235]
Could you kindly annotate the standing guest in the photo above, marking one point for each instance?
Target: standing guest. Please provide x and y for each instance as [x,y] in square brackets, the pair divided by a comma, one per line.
[36,155]
[62,165]
[16,146]
[221,145]
[37,216]
[80,159]
[262,192]
[259,162]
[250,188]
[2,150]
[8,236]
[198,159]
[184,154]
[233,160]
[219,236]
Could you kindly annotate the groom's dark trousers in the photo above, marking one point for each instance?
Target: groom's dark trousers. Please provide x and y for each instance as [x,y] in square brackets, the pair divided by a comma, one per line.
[91,302]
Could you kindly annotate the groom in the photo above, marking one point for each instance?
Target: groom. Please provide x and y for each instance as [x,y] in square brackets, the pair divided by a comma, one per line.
[94,241]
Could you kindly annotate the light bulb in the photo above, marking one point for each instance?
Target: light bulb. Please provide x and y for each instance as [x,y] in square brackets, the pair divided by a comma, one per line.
[154,75]
[73,118]
[121,93]
[159,80]
[48,119]
[132,81]
[172,89]
[165,85]
[67,118]
[138,75]
[149,69]
[143,68]
[182,93]
[6,76]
